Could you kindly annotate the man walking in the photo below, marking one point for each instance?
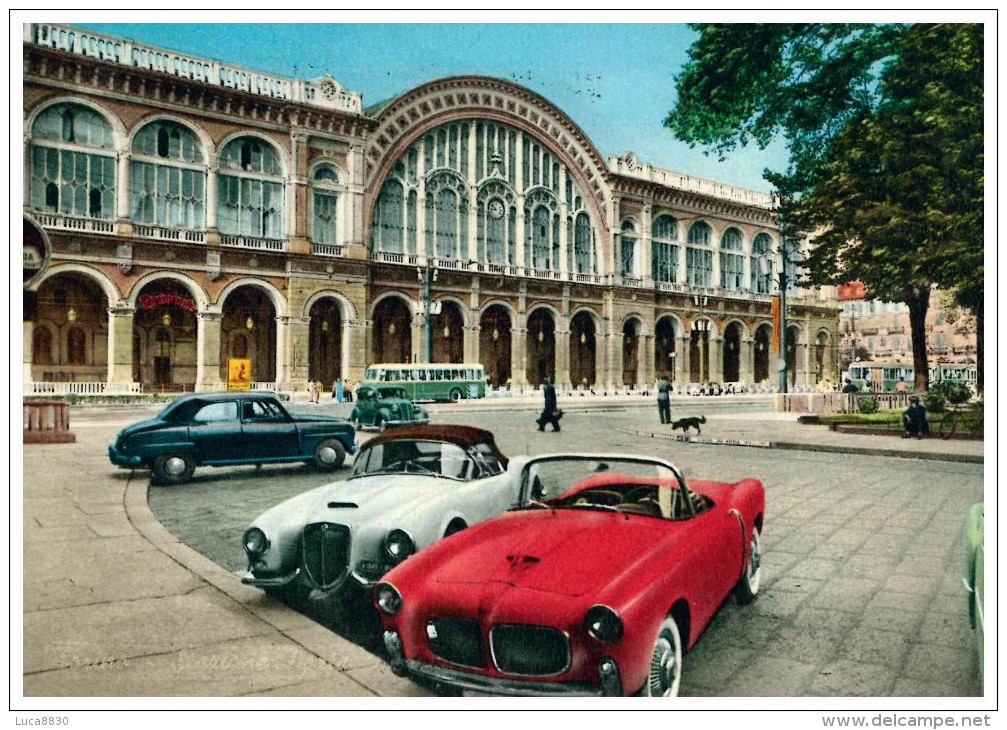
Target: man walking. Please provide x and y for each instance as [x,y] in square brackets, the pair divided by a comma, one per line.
[664,399]
[549,411]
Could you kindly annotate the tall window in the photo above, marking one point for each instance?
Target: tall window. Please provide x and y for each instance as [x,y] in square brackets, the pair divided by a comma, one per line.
[490,166]
[167,177]
[250,189]
[325,199]
[732,262]
[762,267]
[72,163]
[627,256]
[699,261]
[664,253]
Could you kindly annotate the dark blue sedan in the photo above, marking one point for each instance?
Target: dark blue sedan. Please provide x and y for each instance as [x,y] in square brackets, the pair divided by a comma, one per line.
[225,429]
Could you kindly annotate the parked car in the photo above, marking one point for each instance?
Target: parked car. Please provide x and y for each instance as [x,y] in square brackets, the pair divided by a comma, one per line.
[224,429]
[972,573]
[598,586]
[409,487]
[384,408]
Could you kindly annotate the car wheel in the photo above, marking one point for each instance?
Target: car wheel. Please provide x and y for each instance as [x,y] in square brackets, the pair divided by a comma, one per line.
[748,587]
[665,662]
[329,454]
[455,526]
[295,593]
[456,394]
[173,467]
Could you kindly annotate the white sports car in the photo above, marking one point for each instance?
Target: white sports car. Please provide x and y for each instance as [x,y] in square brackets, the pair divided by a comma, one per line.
[409,487]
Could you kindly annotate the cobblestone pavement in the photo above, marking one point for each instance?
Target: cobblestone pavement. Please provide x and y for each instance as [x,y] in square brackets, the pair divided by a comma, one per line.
[861,594]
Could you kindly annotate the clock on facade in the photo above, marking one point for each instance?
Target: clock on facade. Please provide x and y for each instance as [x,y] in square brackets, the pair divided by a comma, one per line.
[496,209]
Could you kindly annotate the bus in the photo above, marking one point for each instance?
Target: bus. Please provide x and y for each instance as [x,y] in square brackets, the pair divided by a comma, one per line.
[881,377]
[430,381]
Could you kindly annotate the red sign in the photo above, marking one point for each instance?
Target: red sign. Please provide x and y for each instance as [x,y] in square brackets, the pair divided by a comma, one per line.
[852,291]
[151,301]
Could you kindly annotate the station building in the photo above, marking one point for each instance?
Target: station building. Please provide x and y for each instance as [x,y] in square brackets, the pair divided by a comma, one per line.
[180,212]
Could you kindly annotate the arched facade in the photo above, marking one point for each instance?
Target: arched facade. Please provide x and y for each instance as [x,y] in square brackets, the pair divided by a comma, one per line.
[297,230]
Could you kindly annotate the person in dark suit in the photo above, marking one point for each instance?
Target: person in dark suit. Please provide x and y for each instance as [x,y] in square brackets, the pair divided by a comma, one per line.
[914,419]
[664,399]
[549,411]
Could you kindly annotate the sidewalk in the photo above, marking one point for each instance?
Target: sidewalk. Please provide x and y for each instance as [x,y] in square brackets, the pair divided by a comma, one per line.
[116,606]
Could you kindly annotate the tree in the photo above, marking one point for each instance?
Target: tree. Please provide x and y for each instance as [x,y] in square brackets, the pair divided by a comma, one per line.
[885,132]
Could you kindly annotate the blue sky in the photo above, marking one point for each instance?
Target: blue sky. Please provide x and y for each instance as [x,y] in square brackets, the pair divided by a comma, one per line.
[616,81]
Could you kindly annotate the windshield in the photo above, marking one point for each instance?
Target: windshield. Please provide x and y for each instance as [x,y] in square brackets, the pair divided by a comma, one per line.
[633,486]
[428,458]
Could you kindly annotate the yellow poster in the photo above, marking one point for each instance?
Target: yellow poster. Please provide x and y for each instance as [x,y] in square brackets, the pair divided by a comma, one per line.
[239,374]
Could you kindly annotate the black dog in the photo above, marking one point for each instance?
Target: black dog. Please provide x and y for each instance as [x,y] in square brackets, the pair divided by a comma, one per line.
[686,423]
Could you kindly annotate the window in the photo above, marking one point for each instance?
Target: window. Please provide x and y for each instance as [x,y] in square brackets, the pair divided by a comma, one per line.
[72,163]
[628,249]
[167,177]
[76,347]
[732,265]
[664,254]
[325,199]
[762,266]
[699,262]
[213,412]
[250,189]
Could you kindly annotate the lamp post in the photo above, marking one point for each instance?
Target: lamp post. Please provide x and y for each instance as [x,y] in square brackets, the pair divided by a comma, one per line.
[427,275]
[702,328]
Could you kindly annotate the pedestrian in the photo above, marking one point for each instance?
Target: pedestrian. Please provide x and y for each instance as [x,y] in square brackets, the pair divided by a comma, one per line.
[900,387]
[664,399]
[850,387]
[914,419]
[316,391]
[347,390]
[339,391]
[335,385]
[550,413]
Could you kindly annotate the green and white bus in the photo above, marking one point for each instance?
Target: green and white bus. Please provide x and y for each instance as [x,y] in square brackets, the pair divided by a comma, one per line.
[430,381]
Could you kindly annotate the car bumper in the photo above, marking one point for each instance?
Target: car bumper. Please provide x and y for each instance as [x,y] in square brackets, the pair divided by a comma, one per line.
[122,460]
[419,422]
[249,579]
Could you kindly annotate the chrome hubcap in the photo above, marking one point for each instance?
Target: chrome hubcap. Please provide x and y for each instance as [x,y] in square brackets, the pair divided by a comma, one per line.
[327,455]
[664,668]
[175,466]
[755,562]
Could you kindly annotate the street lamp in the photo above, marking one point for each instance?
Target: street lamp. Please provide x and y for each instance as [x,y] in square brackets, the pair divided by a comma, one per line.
[702,328]
[427,275]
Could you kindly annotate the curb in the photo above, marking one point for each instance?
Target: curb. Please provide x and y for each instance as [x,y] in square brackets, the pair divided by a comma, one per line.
[827,448]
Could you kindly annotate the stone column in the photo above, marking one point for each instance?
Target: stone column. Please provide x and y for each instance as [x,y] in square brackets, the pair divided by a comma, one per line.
[716,374]
[646,372]
[293,335]
[355,357]
[646,240]
[470,342]
[682,361]
[519,353]
[746,359]
[27,350]
[120,343]
[562,339]
[208,351]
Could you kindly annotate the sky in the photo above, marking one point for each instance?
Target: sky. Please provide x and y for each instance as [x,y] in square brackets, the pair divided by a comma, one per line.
[615,80]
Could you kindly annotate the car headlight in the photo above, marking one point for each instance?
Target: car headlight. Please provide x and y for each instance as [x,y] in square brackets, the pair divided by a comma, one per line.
[603,624]
[255,541]
[388,598]
[399,545]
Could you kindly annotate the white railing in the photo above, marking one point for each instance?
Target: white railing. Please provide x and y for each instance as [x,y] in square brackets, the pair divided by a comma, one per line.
[161,233]
[112,49]
[631,281]
[586,278]
[668,178]
[94,388]
[268,244]
[326,249]
[74,223]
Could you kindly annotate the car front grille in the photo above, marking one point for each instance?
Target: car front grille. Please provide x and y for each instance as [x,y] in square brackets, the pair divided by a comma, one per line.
[326,553]
[530,650]
[456,641]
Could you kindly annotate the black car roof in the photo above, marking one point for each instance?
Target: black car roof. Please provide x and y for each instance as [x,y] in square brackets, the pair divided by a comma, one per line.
[226,395]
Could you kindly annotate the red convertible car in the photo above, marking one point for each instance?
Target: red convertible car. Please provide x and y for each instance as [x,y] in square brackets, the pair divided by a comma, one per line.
[597,586]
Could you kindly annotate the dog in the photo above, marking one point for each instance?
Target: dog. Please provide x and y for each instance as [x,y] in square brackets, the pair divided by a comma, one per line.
[686,423]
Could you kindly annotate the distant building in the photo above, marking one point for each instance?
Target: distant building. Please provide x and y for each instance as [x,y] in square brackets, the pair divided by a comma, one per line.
[180,212]
[879,331]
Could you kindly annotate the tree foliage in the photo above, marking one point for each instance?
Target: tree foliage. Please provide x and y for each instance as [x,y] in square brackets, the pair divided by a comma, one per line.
[886,139]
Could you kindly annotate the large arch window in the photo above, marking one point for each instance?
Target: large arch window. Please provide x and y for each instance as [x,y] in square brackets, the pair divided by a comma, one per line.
[732,262]
[446,217]
[699,261]
[167,177]
[627,249]
[484,167]
[250,189]
[73,163]
[325,205]
[762,268]
[664,253]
